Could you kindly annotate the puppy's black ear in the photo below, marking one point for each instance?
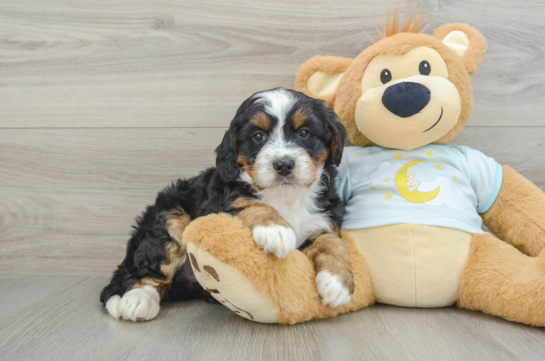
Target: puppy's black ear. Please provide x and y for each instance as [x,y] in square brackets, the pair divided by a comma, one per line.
[338,135]
[227,152]
[226,157]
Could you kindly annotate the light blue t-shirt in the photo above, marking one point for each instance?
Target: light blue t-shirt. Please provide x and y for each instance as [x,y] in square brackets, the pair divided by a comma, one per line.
[436,185]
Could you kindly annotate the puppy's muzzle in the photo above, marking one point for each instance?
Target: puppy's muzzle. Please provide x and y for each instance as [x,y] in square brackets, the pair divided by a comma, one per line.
[284,167]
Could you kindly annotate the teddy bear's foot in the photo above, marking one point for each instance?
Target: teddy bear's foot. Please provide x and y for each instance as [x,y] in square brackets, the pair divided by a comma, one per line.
[261,287]
[230,287]
[502,281]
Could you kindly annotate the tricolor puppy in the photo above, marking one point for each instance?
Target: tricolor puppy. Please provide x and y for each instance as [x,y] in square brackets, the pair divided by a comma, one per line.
[275,170]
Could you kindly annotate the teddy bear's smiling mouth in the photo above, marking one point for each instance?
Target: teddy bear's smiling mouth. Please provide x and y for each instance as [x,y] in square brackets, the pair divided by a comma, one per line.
[438,120]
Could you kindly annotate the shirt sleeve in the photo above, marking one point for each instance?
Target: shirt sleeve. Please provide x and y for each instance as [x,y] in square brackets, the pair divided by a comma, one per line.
[486,178]
[342,181]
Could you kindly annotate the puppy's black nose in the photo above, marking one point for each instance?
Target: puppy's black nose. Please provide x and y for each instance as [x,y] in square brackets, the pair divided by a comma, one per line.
[284,166]
[406,99]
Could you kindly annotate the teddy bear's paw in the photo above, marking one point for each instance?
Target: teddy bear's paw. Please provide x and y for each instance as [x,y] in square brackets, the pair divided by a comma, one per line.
[275,239]
[230,287]
[331,289]
[139,304]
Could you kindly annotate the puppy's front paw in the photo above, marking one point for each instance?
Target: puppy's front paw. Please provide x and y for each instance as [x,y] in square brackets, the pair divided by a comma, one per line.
[331,290]
[139,304]
[275,239]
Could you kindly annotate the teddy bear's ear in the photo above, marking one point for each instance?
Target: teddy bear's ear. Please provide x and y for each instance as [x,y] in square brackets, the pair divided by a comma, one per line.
[319,77]
[465,41]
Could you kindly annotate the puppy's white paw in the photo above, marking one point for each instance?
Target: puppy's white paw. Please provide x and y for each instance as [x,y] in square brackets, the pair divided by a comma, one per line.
[139,304]
[275,239]
[331,289]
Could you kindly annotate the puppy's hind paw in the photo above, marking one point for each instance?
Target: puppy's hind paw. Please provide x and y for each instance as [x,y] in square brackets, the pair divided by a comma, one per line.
[331,289]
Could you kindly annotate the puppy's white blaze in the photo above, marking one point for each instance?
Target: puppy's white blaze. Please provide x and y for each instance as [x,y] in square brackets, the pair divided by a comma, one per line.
[331,290]
[112,305]
[278,103]
[275,239]
[139,304]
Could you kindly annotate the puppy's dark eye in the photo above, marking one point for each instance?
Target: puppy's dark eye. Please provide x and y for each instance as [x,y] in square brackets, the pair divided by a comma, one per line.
[259,137]
[385,76]
[303,133]
[424,68]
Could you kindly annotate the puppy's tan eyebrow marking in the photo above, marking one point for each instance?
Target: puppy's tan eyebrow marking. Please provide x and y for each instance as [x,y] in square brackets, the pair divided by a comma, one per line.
[299,118]
[261,120]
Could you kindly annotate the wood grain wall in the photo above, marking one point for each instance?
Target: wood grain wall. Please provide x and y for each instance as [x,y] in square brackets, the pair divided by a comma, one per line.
[102,103]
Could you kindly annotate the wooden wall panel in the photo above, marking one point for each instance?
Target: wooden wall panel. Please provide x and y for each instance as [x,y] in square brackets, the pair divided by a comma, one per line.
[69,196]
[103,102]
[177,63]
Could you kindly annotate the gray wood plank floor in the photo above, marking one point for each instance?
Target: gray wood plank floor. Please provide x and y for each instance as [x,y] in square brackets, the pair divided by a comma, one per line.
[102,103]
[60,318]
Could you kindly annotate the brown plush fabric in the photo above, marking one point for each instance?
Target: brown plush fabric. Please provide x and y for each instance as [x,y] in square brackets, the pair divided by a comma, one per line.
[474,55]
[330,65]
[349,90]
[289,283]
[497,279]
[501,281]
[518,215]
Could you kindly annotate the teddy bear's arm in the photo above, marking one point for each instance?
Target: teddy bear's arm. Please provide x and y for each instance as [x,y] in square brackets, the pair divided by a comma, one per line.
[518,214]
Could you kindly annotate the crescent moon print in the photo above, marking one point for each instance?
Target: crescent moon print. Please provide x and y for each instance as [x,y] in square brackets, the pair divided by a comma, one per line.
[414,196]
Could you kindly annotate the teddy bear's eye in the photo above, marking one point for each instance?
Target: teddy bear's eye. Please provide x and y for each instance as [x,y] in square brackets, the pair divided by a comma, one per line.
[385,76]
[424,68]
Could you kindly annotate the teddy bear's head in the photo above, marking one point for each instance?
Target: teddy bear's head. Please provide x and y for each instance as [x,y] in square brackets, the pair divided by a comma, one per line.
[405,91]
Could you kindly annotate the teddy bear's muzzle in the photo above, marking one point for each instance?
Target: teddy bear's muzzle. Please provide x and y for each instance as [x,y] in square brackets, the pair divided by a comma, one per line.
[406,99]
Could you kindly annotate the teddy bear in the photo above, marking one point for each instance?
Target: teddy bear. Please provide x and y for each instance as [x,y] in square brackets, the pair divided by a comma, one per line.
[412,243]
[412,184]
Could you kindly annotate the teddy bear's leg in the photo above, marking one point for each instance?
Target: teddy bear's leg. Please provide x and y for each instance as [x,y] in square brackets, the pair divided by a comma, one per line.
[262,287]
[518,214]
[500,280]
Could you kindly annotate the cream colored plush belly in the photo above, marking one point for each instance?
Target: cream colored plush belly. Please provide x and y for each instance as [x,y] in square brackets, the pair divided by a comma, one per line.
[413,265]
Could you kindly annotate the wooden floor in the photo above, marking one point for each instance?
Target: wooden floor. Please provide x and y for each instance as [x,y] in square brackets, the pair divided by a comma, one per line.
[59,318]
[103,102]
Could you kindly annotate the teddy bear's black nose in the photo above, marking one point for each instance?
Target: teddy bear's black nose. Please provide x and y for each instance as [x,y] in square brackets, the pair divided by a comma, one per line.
[406,99]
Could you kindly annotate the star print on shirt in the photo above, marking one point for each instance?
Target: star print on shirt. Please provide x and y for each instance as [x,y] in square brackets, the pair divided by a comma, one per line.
[398,155]
[388,195]
[386,180]
[455,178]
[372,188]
[429,154]
[438,166]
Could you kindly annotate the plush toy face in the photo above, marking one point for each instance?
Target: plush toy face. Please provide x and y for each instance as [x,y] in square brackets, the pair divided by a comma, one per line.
[407,100]
[405,91]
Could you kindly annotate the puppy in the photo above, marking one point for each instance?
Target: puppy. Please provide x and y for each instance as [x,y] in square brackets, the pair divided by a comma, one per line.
[275,170]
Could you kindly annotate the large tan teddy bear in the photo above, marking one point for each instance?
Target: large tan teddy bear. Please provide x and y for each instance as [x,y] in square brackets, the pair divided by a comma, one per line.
[414,206]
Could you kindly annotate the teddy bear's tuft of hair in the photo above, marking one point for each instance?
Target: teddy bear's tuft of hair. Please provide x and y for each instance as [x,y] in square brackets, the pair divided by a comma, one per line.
[413,23]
